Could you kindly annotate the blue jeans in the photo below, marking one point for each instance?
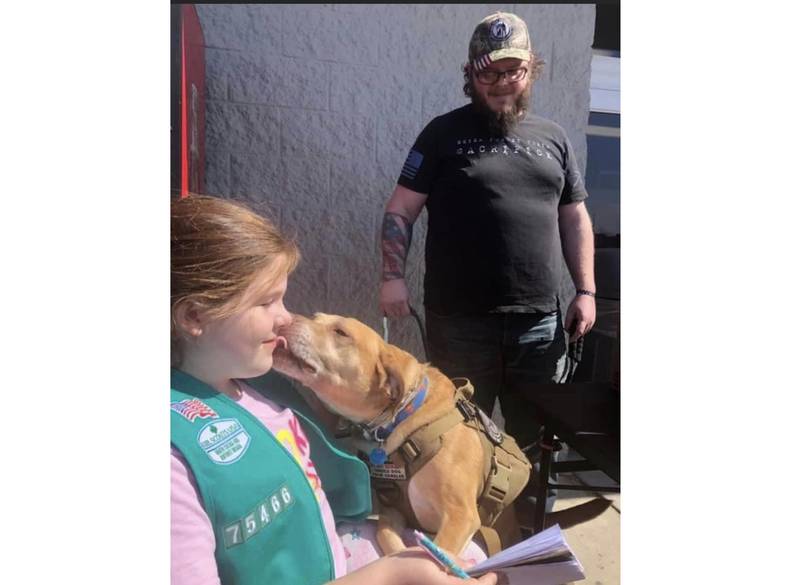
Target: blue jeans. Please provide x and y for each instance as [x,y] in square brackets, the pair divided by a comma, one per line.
[500,353]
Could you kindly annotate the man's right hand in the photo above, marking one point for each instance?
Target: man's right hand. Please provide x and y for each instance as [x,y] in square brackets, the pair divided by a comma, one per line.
[394,298]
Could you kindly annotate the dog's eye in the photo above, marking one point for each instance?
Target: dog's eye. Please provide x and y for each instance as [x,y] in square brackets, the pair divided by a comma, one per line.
[341,332]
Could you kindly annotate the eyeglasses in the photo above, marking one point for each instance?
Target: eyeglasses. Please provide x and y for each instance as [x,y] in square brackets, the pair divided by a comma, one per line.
[490,76]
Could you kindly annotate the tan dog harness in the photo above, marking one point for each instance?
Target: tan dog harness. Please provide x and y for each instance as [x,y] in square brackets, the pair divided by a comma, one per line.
[506,469]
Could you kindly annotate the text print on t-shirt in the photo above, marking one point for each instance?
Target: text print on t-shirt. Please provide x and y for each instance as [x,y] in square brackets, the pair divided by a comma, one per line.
[473,146]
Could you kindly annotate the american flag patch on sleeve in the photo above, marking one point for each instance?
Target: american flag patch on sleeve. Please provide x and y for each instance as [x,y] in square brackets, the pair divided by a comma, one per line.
[412,164]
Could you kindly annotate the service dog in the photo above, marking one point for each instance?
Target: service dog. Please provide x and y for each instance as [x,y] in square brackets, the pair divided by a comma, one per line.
[459,478]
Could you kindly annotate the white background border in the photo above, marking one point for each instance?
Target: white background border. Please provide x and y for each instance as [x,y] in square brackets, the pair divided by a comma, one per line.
[709,209]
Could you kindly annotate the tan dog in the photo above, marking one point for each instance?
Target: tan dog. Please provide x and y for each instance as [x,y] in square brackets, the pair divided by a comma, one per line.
[360,377]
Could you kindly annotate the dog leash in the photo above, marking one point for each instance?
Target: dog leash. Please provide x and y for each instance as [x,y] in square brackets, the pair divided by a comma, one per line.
[574,349]
[574,355]
[419,326]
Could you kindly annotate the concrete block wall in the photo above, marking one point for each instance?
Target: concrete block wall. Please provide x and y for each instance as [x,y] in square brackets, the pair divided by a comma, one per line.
[311,111]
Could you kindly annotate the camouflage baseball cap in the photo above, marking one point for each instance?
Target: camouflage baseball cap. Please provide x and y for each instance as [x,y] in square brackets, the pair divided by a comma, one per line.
[499,36]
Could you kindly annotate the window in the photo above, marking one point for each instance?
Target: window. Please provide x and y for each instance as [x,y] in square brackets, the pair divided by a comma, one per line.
[603,144]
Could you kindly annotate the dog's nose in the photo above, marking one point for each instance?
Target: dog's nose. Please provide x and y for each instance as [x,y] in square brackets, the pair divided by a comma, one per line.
[298,318]
[290,319]
[284,321]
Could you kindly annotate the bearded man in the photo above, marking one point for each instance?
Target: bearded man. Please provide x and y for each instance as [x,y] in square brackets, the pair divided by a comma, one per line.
[505,199]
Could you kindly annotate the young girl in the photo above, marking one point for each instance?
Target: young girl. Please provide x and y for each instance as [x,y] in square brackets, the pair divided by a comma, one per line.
[257,485]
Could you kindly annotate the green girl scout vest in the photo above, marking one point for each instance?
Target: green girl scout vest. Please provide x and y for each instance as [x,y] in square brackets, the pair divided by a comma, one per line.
[266,518]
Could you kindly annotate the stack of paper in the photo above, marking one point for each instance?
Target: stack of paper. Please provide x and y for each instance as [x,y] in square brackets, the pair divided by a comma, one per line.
[543,559]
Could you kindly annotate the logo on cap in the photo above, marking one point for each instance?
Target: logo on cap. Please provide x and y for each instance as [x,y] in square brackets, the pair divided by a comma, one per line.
[499,30]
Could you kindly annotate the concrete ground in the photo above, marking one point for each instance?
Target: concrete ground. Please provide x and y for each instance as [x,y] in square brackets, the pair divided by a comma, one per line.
[590,522]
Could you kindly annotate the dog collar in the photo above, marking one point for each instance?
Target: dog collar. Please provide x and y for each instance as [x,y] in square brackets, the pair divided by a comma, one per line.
[379,434]
[407,408]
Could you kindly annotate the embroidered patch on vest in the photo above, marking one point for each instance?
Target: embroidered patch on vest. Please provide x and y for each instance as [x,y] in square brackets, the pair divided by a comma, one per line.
[387,471]
[224,440]
[192,409]
[260,517]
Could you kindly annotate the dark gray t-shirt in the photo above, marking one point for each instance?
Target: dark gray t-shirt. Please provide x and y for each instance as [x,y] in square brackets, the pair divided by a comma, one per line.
[493,242]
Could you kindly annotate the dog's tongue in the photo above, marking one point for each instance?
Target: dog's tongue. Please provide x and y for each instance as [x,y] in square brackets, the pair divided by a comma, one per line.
[280,342]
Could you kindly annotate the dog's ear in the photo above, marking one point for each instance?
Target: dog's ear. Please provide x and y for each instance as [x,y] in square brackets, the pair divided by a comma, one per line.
[388,384]
[395,370]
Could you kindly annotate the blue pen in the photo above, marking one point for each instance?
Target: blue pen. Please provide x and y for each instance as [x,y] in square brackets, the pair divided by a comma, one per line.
[439,555]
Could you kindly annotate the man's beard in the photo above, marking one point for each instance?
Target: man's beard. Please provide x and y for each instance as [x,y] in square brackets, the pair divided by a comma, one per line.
[501,123]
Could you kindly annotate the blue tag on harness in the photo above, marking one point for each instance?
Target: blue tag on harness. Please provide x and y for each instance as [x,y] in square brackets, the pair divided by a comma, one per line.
[377,456]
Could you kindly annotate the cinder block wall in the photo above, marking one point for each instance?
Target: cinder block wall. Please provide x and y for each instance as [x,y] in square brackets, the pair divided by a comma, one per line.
[311,110]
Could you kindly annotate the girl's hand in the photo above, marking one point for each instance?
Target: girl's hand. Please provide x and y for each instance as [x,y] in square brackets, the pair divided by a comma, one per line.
[417,568]
[412,566]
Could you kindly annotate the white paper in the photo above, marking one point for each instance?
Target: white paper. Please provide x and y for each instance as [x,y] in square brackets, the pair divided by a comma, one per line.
[544,558]
[547,574]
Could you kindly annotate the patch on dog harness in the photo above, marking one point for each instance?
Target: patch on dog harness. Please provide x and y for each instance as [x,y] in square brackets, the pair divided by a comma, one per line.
[491,429]
[388,471]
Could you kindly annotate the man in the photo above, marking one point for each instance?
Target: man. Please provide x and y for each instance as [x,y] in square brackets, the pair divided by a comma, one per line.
[504,199]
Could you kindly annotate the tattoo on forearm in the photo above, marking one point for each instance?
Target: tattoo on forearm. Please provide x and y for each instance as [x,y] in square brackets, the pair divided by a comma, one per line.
[395,242]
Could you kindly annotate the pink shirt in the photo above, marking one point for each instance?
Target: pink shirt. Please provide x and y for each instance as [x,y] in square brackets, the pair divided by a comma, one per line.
[193,540]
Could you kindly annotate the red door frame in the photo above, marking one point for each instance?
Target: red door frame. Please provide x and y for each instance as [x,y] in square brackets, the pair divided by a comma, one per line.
[189,69]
